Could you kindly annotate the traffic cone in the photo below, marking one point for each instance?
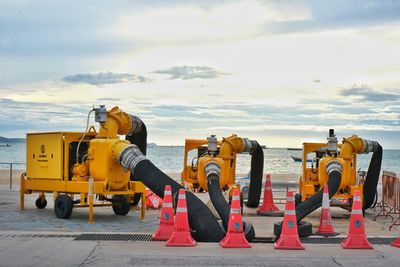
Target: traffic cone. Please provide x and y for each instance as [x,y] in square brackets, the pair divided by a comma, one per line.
[235,237]
[166,225]
[396,243]
[356,238]
[181,235]
[325,223]
[289,238]
[268,207]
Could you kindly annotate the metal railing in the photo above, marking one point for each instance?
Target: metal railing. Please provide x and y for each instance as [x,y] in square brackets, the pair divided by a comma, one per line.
[390,204]
[10,165]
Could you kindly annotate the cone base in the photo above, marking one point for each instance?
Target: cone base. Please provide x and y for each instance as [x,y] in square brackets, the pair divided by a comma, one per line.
[326,230]
[235,241]
[396,243]
[356,242]
[163,233]
[270,212]
[326,234]
[181,239]
[289,243]
[268,207]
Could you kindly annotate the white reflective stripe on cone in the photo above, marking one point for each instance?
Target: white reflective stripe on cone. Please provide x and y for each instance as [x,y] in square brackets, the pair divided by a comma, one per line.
[357,198]
[268,188]
[235,197]
[167,205]
[181,209]
[235,211]
[325,201]
[290,199]
[167,193]
[356,212]
[290,212]
[182,196]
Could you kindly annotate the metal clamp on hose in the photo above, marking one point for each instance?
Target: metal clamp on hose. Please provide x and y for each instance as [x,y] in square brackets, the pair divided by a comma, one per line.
[212,168]
[130,157]
[333,166]
[370,146]
[249,145]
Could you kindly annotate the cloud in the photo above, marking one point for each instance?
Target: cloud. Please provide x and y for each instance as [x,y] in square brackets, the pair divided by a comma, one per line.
[191,72]
[104,78]
[365,93]
[108,99]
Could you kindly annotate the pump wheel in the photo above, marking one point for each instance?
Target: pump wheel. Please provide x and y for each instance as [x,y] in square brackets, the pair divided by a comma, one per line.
[304,229]
[120,205]
[41,203]
[63,206]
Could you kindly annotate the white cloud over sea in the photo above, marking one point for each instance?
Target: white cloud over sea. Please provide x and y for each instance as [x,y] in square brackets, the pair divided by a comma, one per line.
[282,72]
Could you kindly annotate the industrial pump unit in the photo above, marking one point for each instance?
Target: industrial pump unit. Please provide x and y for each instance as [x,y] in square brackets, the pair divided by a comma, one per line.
[84,164]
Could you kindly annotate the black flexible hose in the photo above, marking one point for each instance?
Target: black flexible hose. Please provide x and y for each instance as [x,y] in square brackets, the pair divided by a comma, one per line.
[139,137]
[217,198]
[256,175]
[201,220]
[306,207]
[371,181]
[222,207]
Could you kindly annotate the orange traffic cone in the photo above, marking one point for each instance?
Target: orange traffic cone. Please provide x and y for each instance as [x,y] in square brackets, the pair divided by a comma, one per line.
[396,243]
[181,235]
[325,223]
[356,237]
[235,237]
[166,226]
[289,238]
[268,207]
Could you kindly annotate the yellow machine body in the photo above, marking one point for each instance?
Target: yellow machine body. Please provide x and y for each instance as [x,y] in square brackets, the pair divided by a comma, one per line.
[52,166]
[193,173]
[315,176]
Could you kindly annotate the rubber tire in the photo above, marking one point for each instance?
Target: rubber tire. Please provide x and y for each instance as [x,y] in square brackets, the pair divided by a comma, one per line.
[297,199]
[121,205]
[304,229]
[136,198]
[63,206]
[41,203]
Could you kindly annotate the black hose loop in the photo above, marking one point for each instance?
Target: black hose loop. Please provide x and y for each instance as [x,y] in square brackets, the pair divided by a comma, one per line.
[256,175]
[371,181]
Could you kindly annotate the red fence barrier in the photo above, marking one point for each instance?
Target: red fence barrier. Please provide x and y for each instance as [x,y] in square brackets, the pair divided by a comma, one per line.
[390,203]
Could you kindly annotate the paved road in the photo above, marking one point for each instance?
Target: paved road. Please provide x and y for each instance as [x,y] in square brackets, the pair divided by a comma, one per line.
[68,252]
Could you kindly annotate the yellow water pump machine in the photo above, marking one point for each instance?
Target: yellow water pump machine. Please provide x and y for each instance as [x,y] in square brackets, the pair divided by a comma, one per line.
[81,169]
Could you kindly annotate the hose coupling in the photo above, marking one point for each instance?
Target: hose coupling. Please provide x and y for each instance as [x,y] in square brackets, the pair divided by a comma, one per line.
[130,157]
[370,146]
[333,166]
[249,145]
[136,125]
[212,167]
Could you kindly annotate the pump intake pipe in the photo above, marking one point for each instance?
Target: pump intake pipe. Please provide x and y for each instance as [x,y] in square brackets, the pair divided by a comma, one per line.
[334,171]
[213,170]
[256,174]
[201,220]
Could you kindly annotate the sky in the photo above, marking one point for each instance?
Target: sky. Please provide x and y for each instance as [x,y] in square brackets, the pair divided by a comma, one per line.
[280,72]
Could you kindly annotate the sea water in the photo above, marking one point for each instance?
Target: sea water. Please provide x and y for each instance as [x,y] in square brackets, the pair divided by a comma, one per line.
[169,159]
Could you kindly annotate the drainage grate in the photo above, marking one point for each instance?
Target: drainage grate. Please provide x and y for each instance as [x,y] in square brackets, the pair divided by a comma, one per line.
[328,240]
[115,237]
[337,240]
[36,235]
